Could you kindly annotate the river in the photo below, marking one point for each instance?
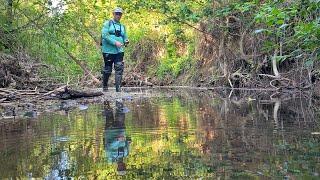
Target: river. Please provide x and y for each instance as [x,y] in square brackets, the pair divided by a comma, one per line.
[178,134]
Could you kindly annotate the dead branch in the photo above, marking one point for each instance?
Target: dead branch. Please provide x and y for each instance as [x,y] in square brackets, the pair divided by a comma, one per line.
[267,75]
[274,64]
[6,90]
[231,85]
[280,82]
[55,90]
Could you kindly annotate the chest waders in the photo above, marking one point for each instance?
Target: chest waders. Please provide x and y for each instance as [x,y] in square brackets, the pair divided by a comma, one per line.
[117,61]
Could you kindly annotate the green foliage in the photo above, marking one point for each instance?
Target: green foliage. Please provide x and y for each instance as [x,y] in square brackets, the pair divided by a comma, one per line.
[173,65]
[308,35]
[290,25]
[295,25]
[274,16]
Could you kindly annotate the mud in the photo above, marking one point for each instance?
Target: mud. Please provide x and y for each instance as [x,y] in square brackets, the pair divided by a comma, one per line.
[33,106]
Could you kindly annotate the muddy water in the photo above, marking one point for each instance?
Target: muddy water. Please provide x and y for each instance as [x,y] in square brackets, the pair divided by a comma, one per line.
[178,135]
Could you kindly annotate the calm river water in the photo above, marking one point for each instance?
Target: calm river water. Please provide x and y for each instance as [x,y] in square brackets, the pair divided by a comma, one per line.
[177,135]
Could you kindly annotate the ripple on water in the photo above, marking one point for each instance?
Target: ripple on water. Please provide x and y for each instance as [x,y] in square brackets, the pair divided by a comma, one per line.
[182,136]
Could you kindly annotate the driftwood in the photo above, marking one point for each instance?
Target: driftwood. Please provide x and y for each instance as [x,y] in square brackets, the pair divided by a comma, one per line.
[63,92]
[55,90]
[66,93]
[7,94]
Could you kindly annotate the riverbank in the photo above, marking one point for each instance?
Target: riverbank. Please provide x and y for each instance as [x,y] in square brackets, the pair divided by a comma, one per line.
[32,106]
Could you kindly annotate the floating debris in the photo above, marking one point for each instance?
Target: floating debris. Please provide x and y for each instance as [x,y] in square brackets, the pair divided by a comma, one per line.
[61,139]
[30,114]
[125,110]
[83,107]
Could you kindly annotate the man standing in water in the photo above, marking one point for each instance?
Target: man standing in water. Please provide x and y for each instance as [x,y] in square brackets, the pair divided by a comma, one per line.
[113,39]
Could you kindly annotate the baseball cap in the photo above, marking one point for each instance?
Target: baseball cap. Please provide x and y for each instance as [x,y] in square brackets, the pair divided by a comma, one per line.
[118,10]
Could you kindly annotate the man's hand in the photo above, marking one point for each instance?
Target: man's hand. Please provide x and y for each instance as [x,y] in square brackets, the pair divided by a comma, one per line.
[118,44]
[126,43]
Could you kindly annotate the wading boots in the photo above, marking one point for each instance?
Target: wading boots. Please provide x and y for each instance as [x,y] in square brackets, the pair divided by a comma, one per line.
[118,79]
[105,79]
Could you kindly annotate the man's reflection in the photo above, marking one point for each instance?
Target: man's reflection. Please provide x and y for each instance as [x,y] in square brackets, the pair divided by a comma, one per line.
[61,167]
[115,140]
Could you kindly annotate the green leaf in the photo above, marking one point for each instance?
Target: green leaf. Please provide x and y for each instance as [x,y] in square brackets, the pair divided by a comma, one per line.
[275,12]
[279,22]
[281,59]
[309,63]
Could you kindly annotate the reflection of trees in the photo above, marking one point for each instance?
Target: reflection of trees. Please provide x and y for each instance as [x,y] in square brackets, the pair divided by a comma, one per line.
[247,138]
[187,135]
[166,150]
[238,133]
[16,137]
[234,136]
[145,114]
[25,145]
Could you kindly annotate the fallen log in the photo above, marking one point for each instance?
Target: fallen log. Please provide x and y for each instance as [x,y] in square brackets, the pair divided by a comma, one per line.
[55,90]
[67,93]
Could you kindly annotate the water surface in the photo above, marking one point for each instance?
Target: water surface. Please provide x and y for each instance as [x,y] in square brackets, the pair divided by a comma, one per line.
[179,135]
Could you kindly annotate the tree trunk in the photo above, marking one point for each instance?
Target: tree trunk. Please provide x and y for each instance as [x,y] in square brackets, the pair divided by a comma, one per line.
[6,37]
[9,13]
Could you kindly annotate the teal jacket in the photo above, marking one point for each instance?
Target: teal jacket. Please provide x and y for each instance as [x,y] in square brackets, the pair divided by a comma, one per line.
[115,148]
[109,38]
